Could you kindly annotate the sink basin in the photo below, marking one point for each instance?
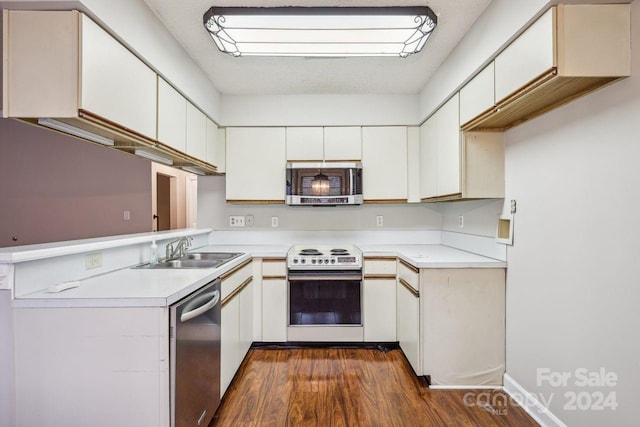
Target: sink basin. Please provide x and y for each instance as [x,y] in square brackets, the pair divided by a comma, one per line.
[211,256]
[195,260]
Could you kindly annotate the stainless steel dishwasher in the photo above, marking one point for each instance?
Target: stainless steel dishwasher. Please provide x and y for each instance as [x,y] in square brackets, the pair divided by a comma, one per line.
[195,357]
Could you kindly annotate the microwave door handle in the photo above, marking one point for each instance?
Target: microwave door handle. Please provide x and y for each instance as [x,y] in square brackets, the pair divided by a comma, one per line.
[202,309]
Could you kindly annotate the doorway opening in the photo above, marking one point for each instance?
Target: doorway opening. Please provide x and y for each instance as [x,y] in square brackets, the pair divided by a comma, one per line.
[164,202]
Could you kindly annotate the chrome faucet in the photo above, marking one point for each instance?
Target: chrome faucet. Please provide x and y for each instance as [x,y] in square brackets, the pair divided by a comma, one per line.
[182,244]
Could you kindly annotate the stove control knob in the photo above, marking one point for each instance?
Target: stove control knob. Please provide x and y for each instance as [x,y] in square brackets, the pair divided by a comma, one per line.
[313,261]
[333,260]
[303,261]
[295,260]
[326,261]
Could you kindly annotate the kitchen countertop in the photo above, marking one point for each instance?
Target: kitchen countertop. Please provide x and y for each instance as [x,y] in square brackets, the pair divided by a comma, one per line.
[129,287]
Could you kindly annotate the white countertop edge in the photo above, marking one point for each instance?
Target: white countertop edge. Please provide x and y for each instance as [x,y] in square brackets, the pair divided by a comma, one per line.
[49,250]
[479,261]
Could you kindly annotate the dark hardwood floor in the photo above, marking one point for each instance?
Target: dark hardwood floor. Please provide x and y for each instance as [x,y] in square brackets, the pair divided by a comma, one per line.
[352,387]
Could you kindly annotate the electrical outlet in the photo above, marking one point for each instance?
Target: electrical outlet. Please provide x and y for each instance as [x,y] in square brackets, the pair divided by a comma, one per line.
[379,221]
[127,215]
[274,221]
[236,221]
[461,221]
[248,220]
[93,260]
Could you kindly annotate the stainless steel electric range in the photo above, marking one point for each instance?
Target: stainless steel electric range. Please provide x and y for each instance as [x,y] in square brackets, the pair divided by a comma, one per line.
[325,293]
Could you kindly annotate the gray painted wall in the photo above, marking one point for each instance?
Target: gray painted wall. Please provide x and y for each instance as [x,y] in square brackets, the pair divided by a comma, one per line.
[56,187]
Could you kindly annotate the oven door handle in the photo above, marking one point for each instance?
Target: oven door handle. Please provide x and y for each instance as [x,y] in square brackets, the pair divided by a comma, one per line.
[324,278]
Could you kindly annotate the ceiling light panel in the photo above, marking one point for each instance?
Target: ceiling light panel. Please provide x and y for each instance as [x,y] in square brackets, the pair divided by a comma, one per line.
[320,32]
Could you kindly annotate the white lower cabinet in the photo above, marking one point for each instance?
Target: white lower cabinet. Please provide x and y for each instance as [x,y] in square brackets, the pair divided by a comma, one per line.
[379,309]
[463,320]
[379,299]
[408,314]
[236,332]
[100,367]
[274,300]
[229,343]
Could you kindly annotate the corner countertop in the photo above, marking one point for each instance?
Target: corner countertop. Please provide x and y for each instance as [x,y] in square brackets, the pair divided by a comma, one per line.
[433,256]
[129,287]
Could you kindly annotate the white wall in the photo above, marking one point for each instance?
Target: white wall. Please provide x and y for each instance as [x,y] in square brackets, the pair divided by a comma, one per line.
[573,276]
[319,110]
[213,212]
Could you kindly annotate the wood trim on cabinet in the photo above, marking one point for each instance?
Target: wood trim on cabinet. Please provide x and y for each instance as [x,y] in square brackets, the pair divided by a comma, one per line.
[380,258]
[445,198]
[409,287]
[409,266]
[236,291]
[236,268]
[379,276]
[274,277]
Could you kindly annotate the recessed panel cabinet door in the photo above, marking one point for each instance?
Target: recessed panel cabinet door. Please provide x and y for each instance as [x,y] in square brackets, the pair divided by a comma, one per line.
[448,150]
[530,55]
[384,163]
[305,143]
[196,133]
[212,143]
[172,117]
[115,84]
[256,164]
[428,158]
[343,143]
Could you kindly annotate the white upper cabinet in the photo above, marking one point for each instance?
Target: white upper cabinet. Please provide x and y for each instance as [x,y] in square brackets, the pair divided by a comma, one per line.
[343,143]
[527,57]
[328,143]
[115,84]
[477,96]
[172,117]
[305,143]
[61,64]
[196,133]
[428,159]
[384,164]
[448,148]
[568,52]
[212,143]
[255,165]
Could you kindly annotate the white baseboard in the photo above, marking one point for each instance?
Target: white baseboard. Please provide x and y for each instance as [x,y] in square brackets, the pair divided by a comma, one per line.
[531,404]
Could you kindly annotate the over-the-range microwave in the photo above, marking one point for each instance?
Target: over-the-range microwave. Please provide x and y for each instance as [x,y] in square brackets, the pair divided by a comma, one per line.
[324,184]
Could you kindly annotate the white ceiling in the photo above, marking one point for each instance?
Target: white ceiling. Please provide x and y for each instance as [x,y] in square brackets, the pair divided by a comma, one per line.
[261,76]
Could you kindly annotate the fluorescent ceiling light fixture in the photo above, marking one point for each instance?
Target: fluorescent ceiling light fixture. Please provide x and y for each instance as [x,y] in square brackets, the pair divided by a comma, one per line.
[320,31]
[153,156]
[193,170]
[72,130]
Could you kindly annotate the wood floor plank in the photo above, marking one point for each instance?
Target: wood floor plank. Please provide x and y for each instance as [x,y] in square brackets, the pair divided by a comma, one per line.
[352,387]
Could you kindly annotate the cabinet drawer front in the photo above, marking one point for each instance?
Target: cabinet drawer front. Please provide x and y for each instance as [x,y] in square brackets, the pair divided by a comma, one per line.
[527,57]
[274,268]
[380,266]
[230,283]
[409,275]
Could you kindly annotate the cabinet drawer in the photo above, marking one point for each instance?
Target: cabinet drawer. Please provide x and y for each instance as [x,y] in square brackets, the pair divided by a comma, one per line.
[409,274]
[235,277]
[274,267]
[376,266]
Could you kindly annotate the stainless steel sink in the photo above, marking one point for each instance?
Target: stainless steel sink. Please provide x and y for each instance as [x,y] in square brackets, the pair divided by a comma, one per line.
[211,256]
[195,260]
